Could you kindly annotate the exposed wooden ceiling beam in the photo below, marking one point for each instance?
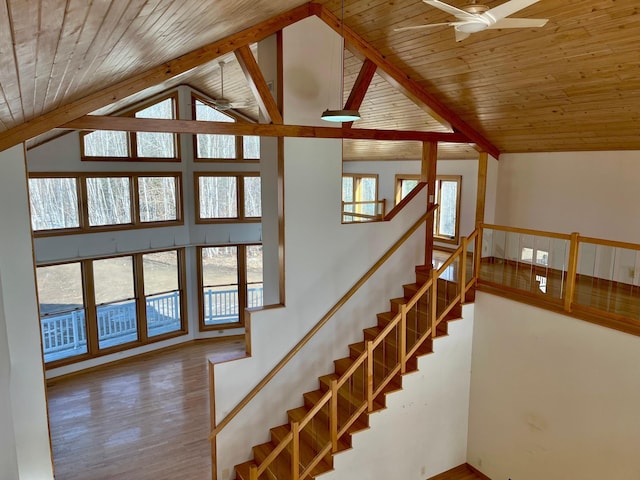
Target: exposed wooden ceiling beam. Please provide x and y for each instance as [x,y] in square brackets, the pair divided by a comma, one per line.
[360,87]
[361,48]
[258,85]
[132,124]
[150,78]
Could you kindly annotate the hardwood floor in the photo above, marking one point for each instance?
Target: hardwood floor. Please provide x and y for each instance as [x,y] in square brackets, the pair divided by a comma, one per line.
[141,419]
[463,472]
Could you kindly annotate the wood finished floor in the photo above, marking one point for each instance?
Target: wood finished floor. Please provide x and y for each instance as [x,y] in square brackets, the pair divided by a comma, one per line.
[463,472]
[143,419]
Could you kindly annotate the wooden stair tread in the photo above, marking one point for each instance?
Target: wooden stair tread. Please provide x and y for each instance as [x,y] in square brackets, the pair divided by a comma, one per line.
[307,452]
[316,435]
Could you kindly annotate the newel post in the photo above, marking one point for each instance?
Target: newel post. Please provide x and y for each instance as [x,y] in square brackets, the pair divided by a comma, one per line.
[370,376]
[295,451]
[463,271]
[403,338]
[572,270]
[434,302]
[334,415]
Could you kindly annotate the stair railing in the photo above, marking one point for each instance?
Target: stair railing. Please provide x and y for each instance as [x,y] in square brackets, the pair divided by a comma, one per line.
[358,389]
[332,311]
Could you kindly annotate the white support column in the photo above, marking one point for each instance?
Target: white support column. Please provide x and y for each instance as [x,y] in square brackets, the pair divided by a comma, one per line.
[22,392]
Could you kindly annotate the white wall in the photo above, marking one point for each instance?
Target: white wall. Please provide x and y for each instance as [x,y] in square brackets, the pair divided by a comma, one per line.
[24,430]
[552,397]
[593,193]
[423,430]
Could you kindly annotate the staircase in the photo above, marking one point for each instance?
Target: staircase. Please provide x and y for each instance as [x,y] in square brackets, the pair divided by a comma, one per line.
[340,407]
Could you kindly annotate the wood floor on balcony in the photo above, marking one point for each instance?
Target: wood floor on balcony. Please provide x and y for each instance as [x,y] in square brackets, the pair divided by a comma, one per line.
[137,420]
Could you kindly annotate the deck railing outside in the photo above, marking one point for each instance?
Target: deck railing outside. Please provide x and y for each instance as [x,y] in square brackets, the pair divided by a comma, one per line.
[65,334]
[579,274]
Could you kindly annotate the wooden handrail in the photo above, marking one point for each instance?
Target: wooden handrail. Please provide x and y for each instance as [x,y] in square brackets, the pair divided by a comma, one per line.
[527,231]
[332,311]
[567,300]
[330,397]
[609,243]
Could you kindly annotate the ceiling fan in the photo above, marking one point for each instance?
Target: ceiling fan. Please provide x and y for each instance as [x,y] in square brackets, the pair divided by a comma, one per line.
[222,103]
[476,17]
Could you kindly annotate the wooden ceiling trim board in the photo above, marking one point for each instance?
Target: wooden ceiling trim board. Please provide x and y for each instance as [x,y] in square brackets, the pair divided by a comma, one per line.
[63,61]
[10,105]
[258,85]
[360,87]
[151,77]
[132,124]
[23,21]
[48,41]
[91,25]
[400,80]
[115,23]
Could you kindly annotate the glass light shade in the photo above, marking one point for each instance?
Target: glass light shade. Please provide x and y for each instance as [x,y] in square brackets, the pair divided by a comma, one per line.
[472,27]
[340,115]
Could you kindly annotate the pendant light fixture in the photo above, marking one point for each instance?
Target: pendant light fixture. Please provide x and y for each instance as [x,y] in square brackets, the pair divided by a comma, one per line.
[341,115]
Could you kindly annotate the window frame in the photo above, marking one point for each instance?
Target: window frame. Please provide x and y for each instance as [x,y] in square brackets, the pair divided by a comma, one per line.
[436,218]
[83,210]
[398,184]
[241,252]
[357,179]
[90,306]
[240,197]
[399,178]
[132,142]
[238,138]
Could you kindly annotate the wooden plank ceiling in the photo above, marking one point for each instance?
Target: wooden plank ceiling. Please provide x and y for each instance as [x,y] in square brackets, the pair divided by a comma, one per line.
[571,85]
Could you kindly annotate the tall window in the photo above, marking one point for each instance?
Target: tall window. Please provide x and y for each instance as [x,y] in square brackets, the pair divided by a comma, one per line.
[62,311]
[97,306]
[228,197]
[211,147]
[360,198]
[447,219]
[108,201]
[446,225]
[230,280]
[113,145]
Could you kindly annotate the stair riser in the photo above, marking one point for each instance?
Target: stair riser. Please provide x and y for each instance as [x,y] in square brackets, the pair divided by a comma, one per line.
[351,397]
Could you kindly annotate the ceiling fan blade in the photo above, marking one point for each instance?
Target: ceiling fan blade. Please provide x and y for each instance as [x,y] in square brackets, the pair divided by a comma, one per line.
[430,25]
[520,23]
[508,8]
[456,12]
[461,35]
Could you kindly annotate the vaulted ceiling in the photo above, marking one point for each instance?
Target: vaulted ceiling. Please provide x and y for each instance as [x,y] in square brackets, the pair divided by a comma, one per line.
[573,84]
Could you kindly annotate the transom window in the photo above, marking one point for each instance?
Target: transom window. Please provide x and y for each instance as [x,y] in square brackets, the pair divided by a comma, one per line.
[118,310]
[114,145]
[76,203]
[228,197]
[230,280]
[210,147]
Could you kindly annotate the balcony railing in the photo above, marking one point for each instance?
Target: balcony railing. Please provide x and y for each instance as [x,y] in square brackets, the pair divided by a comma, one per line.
[364,211]
[65,335]
[596,279]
